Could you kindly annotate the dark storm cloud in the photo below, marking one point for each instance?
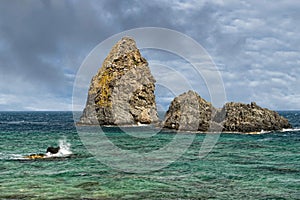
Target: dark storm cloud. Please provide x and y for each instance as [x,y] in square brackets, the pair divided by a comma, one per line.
[39,34]
[43,42]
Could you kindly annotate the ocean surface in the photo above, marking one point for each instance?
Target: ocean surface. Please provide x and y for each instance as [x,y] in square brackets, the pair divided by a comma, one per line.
[263,166]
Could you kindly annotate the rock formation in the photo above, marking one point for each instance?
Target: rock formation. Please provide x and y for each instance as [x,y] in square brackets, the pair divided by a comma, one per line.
[252,118]
[189,111]
[122,92]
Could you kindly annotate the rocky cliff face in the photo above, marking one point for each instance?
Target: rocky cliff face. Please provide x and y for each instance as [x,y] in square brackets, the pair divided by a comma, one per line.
[189,111]
[122,92]
[252,118]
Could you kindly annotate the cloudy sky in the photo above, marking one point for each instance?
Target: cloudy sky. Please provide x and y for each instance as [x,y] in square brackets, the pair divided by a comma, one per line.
[255,45]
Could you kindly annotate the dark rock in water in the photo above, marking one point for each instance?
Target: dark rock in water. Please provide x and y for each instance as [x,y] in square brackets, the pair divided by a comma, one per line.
[88,185]
[122,92]
[252,118]
[189,112]
[53,150]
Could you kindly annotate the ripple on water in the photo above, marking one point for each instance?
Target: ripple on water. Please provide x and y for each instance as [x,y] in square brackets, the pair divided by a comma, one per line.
[264,166]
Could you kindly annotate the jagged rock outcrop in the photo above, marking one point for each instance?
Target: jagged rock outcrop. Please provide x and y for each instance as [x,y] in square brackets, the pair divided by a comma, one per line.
[122,92]
[241,117]
[189,112]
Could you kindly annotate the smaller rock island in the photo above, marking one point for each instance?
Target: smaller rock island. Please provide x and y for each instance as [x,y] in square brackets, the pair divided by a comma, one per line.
[252,118]
[190,112]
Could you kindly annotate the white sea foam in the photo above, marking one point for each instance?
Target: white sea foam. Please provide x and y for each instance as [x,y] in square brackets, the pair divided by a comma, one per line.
[4,156]
[290,130]
[23,122]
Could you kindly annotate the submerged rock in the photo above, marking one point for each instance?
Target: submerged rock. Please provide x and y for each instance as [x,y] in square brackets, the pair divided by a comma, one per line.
[252,118]
[53,150]
[122,92]
[189,111]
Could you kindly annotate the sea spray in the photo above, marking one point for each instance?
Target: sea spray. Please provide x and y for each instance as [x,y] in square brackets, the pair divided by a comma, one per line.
[65,149]
[14,156]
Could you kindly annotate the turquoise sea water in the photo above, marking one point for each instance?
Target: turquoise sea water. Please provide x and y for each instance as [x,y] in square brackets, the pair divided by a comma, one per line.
[265,166]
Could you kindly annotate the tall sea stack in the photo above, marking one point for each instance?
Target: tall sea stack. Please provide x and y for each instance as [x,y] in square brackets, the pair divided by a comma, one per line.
[122,91]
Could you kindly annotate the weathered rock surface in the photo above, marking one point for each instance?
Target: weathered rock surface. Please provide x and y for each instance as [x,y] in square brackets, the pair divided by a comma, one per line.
[189,111]
[252,118]
[122,92]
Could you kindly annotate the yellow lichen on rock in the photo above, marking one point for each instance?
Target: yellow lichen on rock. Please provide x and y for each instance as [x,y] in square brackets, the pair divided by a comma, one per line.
[105,92]
[112,70]
[35,156]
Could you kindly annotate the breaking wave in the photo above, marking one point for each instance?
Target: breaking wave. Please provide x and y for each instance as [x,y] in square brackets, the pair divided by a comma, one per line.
[65,149]
[290,130]
[21,122]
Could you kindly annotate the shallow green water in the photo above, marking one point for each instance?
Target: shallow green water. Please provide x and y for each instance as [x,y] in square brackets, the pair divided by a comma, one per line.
[239,167]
